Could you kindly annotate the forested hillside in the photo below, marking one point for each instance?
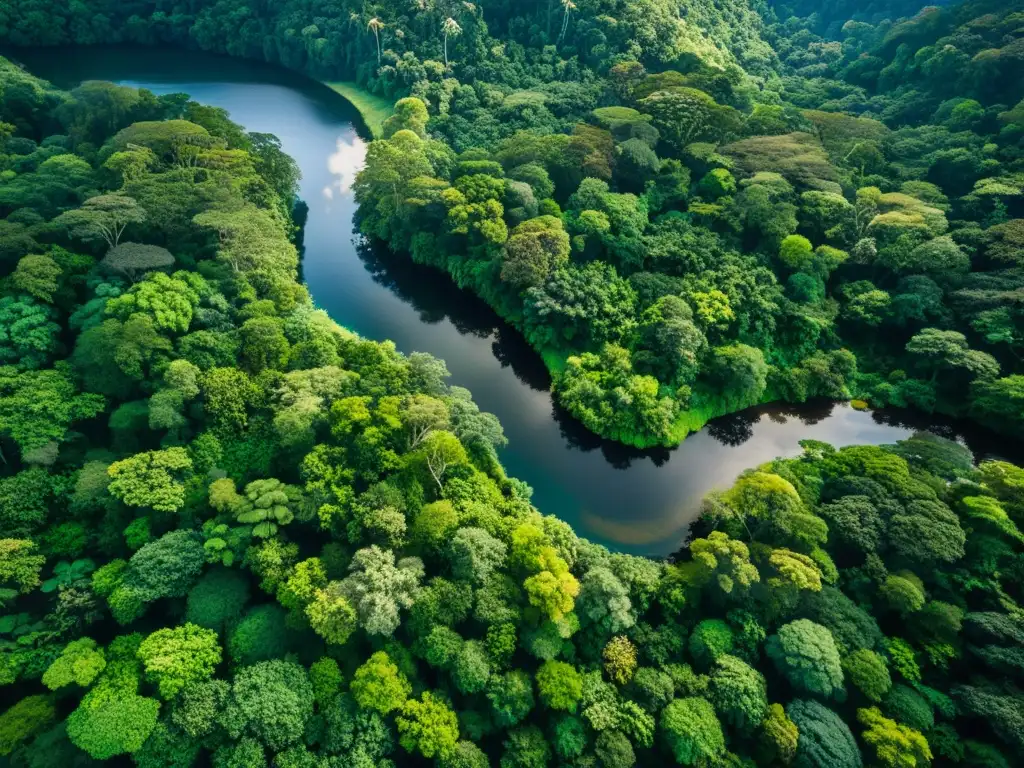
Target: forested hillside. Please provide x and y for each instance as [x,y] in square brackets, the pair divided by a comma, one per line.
[686,211]
[845,222]
[234,533]
[395,45]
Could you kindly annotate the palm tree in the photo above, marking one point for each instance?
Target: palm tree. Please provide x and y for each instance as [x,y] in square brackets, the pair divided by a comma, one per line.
[451,28]
[375,25]
[569,6]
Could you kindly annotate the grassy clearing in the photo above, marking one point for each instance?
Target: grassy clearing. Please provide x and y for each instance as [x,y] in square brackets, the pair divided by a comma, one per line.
[555,361]
[374,109]
[690,421]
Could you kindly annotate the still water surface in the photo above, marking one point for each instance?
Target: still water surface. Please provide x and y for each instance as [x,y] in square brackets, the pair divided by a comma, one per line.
[633,501]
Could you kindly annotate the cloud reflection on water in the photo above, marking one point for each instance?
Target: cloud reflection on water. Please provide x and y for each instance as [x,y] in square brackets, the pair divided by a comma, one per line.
[344,164]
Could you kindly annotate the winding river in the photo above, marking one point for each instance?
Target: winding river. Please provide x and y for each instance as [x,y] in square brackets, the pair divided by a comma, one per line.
[633,501]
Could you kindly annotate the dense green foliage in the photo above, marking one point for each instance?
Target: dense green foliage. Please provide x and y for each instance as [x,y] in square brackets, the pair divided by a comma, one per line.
[233,532]
[686,211]
[253,536]
[709,238]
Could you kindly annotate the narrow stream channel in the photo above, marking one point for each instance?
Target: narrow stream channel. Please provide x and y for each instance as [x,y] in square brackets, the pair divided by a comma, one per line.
[632,501]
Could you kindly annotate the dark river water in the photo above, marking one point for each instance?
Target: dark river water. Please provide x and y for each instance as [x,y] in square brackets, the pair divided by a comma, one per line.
[633,501]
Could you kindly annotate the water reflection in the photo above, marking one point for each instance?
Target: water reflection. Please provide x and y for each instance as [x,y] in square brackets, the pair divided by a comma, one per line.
[736,428]
[633,500]
[344,163]
[985,444]
[638,531]
[617,455]
[512,351]
[436,298]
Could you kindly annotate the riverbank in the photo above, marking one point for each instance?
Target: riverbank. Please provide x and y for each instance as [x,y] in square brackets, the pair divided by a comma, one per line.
[686,422]
[635,501]
[373,109]
[703,406]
